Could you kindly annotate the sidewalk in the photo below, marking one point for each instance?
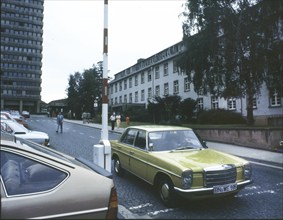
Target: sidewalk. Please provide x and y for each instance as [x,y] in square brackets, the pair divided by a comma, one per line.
[252,153]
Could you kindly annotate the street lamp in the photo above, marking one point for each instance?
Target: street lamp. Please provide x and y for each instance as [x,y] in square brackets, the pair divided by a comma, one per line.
[95,104]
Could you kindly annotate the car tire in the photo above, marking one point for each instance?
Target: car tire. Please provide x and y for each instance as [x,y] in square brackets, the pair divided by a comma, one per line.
[117,167]
[166,192]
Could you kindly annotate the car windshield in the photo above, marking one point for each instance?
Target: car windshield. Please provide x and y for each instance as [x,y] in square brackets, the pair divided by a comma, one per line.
[173,140]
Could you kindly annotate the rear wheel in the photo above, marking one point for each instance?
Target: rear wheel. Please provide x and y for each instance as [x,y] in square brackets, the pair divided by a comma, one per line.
[166,192]
[117,167]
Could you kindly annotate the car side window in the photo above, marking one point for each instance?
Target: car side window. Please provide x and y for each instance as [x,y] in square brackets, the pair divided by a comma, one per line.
[129,137]
[5,127]
[22,175]
[140,140]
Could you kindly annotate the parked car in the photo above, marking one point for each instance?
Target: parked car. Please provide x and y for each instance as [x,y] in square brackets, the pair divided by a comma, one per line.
[26,114]
[18,130]
[18,118]
[178,163]
[40,183]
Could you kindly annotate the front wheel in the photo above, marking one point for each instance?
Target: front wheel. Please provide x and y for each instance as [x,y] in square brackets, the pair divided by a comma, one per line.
[166,192]
[117,167]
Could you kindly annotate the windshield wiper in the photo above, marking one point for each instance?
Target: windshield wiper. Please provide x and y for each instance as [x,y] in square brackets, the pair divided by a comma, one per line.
[183,148]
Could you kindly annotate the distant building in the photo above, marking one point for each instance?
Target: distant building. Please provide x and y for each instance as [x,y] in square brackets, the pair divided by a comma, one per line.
[158,75]
[21,54]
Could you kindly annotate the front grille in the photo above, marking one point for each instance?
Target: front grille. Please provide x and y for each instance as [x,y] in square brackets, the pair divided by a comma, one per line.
[220,175]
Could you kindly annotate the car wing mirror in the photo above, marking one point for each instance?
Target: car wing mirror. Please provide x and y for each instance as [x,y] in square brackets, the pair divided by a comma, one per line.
[150,147]
[204,144]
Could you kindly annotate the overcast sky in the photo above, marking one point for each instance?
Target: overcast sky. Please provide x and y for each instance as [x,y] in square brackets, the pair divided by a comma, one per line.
[73,36]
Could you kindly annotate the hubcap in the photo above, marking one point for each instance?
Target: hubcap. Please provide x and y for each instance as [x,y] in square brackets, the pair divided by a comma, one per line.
[117,166]
[164,191]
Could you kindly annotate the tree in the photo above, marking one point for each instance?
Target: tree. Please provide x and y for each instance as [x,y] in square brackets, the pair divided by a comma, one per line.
[73,94]
[187,108]
[229,47]
[83,89]
[165,108]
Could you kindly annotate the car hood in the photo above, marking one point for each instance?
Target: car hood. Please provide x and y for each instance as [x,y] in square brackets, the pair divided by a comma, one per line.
[198,159]
[34,135]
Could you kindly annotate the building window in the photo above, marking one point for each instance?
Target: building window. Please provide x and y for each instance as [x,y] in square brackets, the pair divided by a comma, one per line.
[186,84]
[130,98]
[130,82]
[136,96]
[120,99]
[142,95]
[166,89]
[200,103]
[125,84]
[275,98]
[157,73]
[176,87]
[125,98]
[120,86]
[165,69]
[136,80]
[115,100]
[116,87]
[232,104]
[157,91]
[142,78]
[149,75]
[175,68]
[214,102]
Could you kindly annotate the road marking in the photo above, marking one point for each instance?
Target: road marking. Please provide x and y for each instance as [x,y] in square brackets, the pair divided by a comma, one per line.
[160,211]
[140,206]
[129,215]
[267,165]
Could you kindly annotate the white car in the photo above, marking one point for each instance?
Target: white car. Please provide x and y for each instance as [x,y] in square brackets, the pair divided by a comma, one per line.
[20,131]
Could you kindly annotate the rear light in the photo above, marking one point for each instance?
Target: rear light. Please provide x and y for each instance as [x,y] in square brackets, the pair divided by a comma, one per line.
[112,205]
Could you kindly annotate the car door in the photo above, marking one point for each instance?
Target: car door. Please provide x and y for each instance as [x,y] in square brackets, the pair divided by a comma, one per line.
[139,154]
[125,146]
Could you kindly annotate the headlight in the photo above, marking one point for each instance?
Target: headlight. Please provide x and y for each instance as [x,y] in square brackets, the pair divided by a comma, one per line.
[187,179]
[247,171]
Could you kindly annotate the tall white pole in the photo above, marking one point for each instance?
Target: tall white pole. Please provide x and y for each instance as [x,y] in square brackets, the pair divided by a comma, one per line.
[104,132]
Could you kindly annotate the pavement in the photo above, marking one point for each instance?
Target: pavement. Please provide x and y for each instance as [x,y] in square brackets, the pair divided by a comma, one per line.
[252,154]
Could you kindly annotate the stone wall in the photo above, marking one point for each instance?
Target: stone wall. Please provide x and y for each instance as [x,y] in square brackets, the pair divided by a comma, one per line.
[267,139]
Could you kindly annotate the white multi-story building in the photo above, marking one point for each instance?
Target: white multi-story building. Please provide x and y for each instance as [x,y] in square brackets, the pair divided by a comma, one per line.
[159,76]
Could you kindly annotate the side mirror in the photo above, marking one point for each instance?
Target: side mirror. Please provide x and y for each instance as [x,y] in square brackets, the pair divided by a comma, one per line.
[204,144]
[150,147]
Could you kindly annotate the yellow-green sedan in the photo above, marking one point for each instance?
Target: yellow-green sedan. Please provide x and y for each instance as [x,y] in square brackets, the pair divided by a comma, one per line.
[178,163]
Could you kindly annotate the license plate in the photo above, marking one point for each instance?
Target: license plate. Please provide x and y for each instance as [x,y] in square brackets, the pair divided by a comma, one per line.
[225,188]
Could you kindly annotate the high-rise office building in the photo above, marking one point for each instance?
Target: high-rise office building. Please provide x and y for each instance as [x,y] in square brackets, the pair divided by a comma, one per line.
[21,54]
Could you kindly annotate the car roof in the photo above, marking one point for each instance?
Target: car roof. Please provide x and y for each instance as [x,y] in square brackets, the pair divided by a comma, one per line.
[20,144]
[15,125]
[151,128]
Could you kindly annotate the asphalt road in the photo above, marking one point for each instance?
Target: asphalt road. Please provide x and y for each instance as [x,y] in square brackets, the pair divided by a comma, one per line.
[137,200]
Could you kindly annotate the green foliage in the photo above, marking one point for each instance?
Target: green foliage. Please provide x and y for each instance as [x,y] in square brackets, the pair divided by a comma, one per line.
[187,109]
[220,116]
[83,89]
[232,47]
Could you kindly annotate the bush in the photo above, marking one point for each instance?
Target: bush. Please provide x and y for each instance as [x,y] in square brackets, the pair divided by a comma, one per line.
[220,116]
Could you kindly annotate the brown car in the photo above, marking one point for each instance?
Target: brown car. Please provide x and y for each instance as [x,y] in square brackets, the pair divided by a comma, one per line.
[38,182]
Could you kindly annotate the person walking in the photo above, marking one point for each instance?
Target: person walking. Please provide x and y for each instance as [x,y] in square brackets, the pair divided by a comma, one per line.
[112,120]
[60,119]
[128,120]
[118,120]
